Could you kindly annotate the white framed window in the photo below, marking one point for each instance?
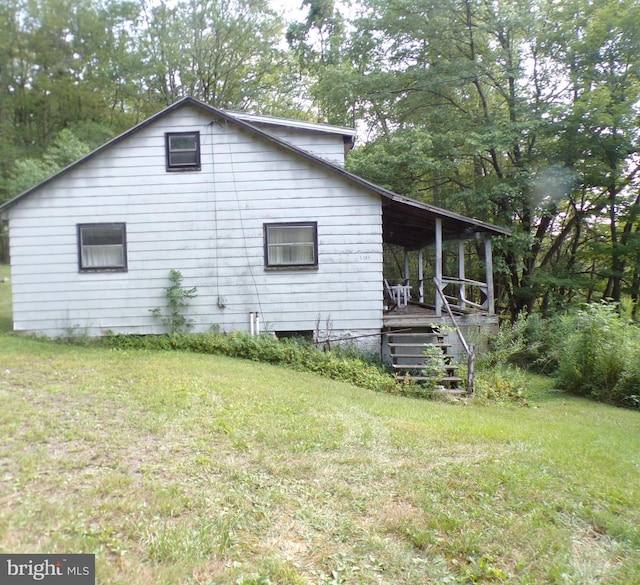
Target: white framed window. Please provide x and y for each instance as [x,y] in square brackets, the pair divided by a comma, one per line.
[291,245]
[182,151]
[102,247]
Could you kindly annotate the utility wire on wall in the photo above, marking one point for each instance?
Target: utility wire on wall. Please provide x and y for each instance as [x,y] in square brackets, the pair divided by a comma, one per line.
[214,195]
[240,217]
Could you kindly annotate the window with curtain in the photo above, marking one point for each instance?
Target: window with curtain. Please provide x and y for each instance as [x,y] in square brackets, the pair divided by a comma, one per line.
[102,246]
[183,151]
[291,244]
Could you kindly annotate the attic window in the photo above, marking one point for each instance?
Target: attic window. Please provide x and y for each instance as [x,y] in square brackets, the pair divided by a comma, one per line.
[183,151]
[291,245]
[102,247]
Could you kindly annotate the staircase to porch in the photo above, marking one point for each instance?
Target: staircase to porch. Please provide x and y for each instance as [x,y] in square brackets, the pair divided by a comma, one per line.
[406,349]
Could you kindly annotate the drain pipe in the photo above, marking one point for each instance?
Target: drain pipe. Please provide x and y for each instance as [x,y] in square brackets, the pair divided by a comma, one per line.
[254,323]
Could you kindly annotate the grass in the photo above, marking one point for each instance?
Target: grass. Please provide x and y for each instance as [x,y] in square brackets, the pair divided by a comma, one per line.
[5,298]
[177,468]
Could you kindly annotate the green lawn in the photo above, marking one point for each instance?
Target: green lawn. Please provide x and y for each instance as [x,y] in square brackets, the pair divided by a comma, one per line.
[176,468]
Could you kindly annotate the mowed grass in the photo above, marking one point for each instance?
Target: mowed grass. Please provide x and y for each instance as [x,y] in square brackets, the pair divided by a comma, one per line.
[176,468]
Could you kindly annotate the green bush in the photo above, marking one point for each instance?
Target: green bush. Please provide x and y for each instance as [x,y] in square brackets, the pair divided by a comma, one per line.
[178,299]
[531,342]
[267,348]
[627,391]
[502,383]
[599,355]
[508,344]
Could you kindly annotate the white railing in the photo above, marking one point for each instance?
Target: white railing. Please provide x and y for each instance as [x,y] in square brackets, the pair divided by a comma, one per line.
[460,300]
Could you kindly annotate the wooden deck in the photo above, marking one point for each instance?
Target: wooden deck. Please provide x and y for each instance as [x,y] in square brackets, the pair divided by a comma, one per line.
[413,315]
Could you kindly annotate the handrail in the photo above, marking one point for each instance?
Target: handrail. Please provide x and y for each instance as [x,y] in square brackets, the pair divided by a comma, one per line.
[455,280]
[483,286]
[467,348]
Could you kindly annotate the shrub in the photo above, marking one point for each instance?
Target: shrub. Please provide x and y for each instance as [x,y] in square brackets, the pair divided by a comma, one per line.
[177,298]
[501,383]
[531,342]
[598,357]
[434,368]
[507,344]
[267,348]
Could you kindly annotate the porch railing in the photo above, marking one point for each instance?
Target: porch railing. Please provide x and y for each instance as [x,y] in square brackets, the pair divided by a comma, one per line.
[460,300]
[468,349]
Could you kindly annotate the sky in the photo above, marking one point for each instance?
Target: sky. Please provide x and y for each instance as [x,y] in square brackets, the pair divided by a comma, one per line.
[292,9]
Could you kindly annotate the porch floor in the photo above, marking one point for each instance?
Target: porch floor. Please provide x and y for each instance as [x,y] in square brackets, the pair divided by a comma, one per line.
[420,315]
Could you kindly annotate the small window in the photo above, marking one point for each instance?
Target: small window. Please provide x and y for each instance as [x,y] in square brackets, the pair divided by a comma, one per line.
[291,244]
[183,151]
[102,247]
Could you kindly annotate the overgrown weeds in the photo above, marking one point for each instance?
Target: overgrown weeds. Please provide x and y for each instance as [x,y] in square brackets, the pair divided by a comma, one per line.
[600,356]
[593,351]
[174,315]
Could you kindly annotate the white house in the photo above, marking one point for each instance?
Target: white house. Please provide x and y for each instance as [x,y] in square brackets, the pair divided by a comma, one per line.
[255,212]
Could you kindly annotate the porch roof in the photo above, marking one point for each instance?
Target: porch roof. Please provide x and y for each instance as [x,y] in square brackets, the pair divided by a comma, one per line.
[412,224]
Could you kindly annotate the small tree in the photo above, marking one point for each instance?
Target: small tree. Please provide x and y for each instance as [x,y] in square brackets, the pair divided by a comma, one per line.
[178,299]
[434,367]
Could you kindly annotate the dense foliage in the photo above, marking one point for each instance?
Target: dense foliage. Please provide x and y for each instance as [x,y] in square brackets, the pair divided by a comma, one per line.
[591,351]
[522,113]
[599,357]
[517,112]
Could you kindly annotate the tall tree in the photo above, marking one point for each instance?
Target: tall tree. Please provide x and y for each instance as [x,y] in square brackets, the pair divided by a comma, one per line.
[522,113]
[54,72]
[224,52]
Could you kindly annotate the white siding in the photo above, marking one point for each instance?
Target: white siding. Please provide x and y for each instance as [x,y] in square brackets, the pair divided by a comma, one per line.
[324,145]
[207,224]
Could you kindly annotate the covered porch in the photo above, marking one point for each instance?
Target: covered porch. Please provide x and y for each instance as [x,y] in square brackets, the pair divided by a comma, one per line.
[435,245]
[428,290]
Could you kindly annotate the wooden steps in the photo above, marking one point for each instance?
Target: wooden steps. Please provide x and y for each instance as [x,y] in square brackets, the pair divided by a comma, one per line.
[406,349]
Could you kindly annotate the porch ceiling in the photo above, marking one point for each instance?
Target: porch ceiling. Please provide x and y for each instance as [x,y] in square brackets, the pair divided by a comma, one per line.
[412,224]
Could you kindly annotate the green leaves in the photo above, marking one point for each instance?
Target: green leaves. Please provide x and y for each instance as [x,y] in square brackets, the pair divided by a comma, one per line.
[178,299]
[26,173]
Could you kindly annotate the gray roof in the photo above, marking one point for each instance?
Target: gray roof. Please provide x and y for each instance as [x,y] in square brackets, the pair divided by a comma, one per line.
[406,222]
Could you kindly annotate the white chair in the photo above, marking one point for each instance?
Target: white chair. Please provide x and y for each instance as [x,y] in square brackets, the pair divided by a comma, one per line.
[400,294]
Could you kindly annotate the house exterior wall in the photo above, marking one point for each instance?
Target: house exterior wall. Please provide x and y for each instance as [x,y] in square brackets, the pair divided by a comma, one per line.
[207,224]
[330,147]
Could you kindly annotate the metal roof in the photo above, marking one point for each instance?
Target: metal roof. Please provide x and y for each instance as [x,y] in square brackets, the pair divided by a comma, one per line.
[291,123]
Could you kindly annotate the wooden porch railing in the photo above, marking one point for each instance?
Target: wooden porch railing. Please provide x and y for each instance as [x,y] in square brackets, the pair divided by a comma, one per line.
[468,349]
[460,301]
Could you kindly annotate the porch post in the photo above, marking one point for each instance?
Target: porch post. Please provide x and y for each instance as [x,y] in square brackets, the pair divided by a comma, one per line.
[438,303]
[488,263]
[420,276]
[462,292]
[406,266]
